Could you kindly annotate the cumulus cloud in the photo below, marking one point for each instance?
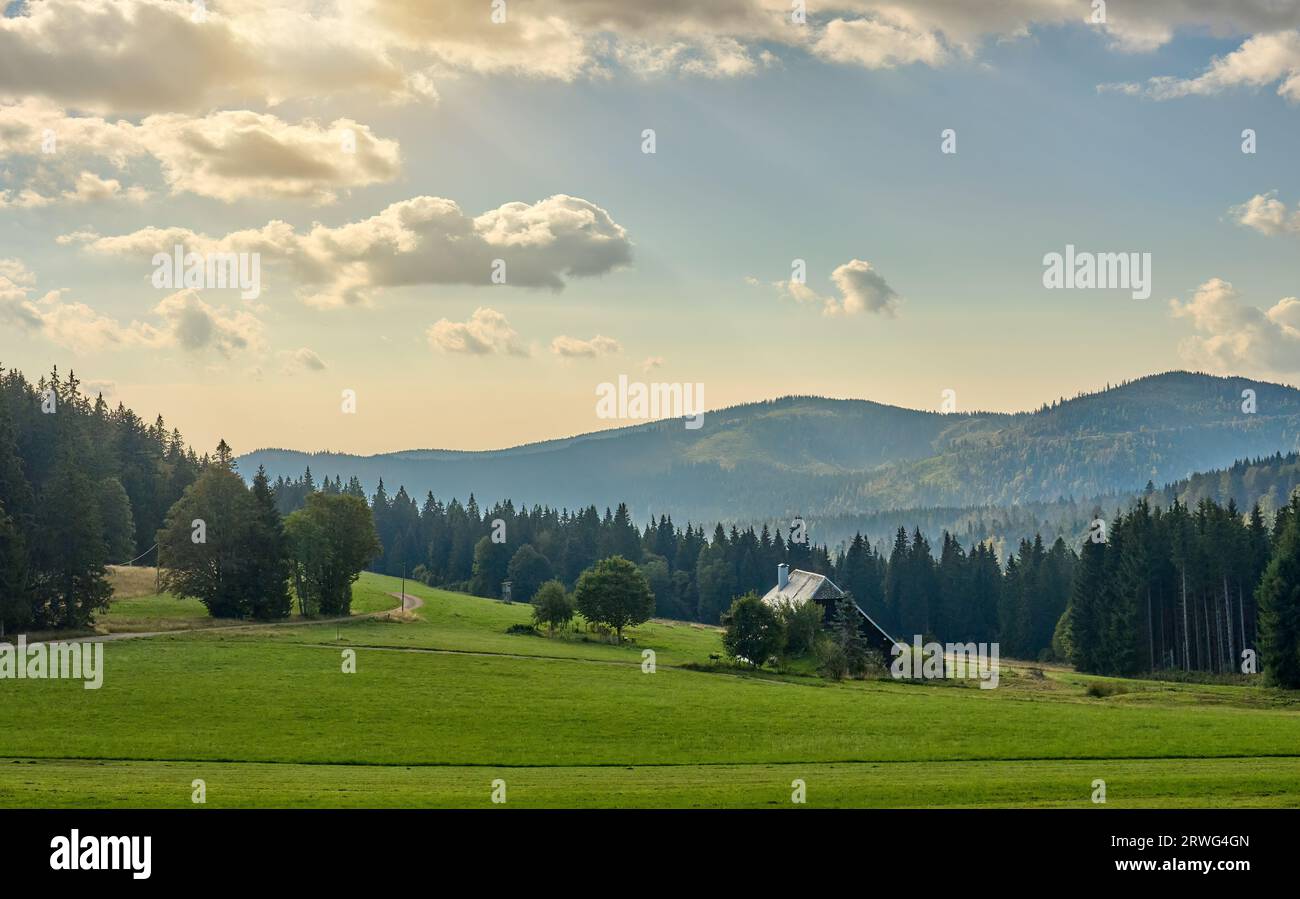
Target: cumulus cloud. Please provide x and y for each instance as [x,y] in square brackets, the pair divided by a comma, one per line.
[651,363]
[1261,60]
[144,56]
[157,55]
[1234,336]
[425,240]
[16,306]
[183,320]
[879,45]
[486,333]
[860,289]
[576,348]
[226,155]
[1267,214]
[87,187]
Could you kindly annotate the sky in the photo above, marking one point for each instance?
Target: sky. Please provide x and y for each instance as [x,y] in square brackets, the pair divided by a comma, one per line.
[380,156]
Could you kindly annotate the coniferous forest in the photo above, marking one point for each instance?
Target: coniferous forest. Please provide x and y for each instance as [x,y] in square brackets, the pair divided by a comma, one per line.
[1161,589]
[1167,587]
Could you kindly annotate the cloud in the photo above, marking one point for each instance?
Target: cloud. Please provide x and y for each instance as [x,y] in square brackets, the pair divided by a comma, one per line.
[1260,61]
[879,45]
[147,56]
[576,348]
[16,306]
[150,56]
[301,359]
[860,289]
[87,188]
[486,333]
[1235,337]
[226,155]
[1266,214]
[652,362]
[184,321]
[99,386]
[425,240]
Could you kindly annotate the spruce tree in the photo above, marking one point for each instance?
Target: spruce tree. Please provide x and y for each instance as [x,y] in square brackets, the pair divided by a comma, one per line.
[1278,597]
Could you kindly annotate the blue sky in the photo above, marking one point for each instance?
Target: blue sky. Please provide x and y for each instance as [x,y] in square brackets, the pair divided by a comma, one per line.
[800,157]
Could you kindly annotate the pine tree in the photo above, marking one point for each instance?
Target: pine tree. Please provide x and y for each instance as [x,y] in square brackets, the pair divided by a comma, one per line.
[1278,597]
[268,586]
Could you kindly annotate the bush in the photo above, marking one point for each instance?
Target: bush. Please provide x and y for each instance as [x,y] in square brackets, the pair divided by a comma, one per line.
[803,627]
[832,661]
[753,630]
[552,607]
[1101,689]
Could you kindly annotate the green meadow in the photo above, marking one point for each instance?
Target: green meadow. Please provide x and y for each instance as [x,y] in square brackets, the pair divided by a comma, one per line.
[444,701]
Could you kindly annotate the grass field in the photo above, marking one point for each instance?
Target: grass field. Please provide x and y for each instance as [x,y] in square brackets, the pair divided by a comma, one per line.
[442,704]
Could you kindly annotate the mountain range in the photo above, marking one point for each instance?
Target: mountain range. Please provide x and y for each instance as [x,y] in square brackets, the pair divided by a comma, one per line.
[831,457]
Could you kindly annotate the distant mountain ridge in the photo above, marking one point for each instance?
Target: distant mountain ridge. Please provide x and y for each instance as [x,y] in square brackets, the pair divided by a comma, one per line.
[817,456]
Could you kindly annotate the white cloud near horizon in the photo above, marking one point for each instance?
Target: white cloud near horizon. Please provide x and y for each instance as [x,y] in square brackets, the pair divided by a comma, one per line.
[577,348]
[1235,337]
[184,320]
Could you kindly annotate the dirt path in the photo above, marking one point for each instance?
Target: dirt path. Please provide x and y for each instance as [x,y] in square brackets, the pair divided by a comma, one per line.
[410,603]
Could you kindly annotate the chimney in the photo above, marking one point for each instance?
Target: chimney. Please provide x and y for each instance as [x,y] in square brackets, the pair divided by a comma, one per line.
[782,576]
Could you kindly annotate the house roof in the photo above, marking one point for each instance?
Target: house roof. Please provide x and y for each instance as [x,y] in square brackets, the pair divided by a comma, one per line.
[803,586]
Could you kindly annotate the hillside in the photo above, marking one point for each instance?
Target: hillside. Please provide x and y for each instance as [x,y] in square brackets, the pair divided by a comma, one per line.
[820,456]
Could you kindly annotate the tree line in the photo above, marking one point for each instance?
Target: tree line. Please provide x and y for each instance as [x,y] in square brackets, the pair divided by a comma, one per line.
[82,486]
[1167,588]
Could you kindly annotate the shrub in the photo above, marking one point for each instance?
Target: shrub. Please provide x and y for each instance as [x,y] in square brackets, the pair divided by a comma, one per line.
[753,630]
[552,606]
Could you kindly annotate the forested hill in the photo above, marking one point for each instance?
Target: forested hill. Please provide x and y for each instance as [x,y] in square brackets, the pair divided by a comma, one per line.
[817,456]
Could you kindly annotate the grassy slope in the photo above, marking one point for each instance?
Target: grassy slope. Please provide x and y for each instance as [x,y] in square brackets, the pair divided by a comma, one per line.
[440,706]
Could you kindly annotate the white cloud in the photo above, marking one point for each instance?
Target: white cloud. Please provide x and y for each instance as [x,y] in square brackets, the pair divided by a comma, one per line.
[1235,337]
[146,56]
[576,348]
[424,240]
[878,45]
[152,55]
[860,289]
[1261,60]
[652,362]
[226,155]
[1267,214]
[486,333]
[185,321]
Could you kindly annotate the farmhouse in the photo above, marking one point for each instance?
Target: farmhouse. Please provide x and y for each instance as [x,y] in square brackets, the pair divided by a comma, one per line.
[798,587]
